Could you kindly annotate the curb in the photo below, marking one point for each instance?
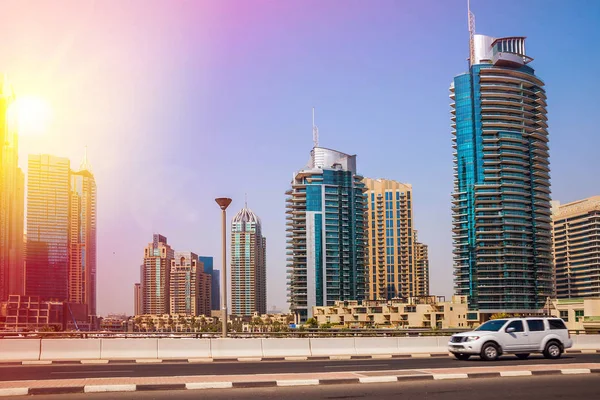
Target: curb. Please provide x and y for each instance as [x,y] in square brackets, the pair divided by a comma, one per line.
[283,383]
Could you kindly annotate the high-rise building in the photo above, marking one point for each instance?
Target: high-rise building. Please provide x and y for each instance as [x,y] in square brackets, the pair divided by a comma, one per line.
[137,299]
[326,238]
[189,285]
[391,258]
[215,289]
[48,192]
[501,199]
[421,266]
[82,238]
[248,265]
[156,272]
[11,197]
[576,234]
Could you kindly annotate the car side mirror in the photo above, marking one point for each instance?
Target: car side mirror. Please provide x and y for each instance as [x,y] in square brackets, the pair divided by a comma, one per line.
[510,329]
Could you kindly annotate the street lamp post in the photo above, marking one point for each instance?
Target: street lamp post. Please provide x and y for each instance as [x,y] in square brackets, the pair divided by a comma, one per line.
[224,202]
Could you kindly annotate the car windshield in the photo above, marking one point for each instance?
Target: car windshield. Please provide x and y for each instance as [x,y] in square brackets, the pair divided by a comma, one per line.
[492,326]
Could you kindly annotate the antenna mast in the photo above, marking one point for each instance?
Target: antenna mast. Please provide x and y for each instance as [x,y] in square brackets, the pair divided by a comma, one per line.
[315,130]
[471,18]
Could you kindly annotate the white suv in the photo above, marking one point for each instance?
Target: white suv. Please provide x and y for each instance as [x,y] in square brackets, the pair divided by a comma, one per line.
[519,336]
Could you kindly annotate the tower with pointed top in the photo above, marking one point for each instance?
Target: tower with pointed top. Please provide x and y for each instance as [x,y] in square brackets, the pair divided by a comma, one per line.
[501,197]
[82,237]
[248,264]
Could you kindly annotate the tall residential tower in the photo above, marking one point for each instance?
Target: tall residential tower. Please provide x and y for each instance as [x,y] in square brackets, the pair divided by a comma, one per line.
[501,199]
[156,275]
[248,265]
[325,210]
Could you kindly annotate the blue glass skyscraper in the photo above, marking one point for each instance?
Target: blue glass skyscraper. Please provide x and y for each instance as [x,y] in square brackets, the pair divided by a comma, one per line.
[325,233]
[501,199]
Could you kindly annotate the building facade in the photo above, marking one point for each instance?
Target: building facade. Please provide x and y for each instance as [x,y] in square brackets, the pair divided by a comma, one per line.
[576,247]
[156,272]
[82,238]
[248,264]
[392,250]
[501,199]
[189,285]
[26,313]
[48,193]
[326,238]
[137,299]
[11,198]
[215,288]
[424,312]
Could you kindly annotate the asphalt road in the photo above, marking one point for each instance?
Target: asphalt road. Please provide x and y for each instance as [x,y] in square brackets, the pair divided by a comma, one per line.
[70,371]
[543,387]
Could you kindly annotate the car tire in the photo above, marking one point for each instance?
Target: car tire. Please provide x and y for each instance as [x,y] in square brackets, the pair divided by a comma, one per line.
[553,350]
[522,356]
[490,352]
[462,357]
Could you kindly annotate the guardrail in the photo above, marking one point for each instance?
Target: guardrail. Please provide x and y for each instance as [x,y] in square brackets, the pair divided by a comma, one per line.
[295,333]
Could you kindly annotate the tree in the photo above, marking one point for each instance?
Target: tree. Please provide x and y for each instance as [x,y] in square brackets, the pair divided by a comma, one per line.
[500,315]
[312,323]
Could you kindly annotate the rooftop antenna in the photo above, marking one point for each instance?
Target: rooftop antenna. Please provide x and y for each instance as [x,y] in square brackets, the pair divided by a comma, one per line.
[245,200]
[315,130]
[471,18]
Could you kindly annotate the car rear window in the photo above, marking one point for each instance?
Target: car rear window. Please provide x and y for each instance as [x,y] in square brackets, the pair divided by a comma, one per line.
[535,325]
[556,324]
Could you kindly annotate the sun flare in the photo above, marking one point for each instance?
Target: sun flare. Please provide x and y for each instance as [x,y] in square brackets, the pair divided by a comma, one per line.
[33,115]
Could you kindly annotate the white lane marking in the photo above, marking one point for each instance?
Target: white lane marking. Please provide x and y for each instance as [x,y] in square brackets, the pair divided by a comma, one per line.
[355,365]
[340,357]
[94,361]
[421,355]
[200,360]
[588,351]
[249,359]
[377,379]
[38,362]
[449,376]
[108,388]
[149,361]
[515,373]
[14,392]
[208,385]
[573,371]
[298,382]
[381,356]
[296,358]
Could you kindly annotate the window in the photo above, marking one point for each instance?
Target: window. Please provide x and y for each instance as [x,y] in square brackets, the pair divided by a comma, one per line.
[535,325]
[518,325]
[492,326]
[578,315]
[556,324]
[564,315]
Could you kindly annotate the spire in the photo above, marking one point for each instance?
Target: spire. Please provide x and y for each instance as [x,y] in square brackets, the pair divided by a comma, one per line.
[245,200]
[85,165]
[471,19]
[315,130]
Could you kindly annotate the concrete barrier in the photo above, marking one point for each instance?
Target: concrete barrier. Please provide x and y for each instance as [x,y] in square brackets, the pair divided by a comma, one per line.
[19,349]
[68,349]
[236,348]
[128,349]
[410,345]
[183,348]
[332,346]
[375,345]
[586,342]
[291,347]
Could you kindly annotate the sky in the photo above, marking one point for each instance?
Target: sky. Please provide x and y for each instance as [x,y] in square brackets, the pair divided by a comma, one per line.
[180,102]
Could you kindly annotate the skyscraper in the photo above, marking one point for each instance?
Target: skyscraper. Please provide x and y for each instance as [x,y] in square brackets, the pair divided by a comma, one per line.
[48,191]
[501,198]
[215,281]
[325,210]
[82,238]
[11,197]
[156,272]
[248,265]
[189,285]
[137,299]
[421,267]
[576,235]
[392,249]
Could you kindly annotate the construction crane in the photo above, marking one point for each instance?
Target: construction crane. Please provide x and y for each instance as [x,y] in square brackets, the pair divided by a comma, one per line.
[471,18]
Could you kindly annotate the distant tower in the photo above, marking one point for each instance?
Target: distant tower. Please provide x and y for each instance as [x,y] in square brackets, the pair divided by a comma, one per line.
[156,276]
[248,264]
[501,199]
[189,286]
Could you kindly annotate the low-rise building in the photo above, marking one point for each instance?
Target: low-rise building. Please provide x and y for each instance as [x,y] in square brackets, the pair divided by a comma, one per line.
[432,312]
[579,314]
[29,313]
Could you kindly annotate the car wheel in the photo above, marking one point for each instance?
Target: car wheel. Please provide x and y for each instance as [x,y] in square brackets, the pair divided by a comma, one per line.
[552,350]
[490,352]
[522,356]
[463,357]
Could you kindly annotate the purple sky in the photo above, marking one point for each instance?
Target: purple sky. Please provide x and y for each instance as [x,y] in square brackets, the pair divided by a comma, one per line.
[181,102]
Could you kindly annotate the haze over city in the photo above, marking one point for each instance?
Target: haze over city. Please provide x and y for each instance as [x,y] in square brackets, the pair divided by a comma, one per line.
[183,102]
